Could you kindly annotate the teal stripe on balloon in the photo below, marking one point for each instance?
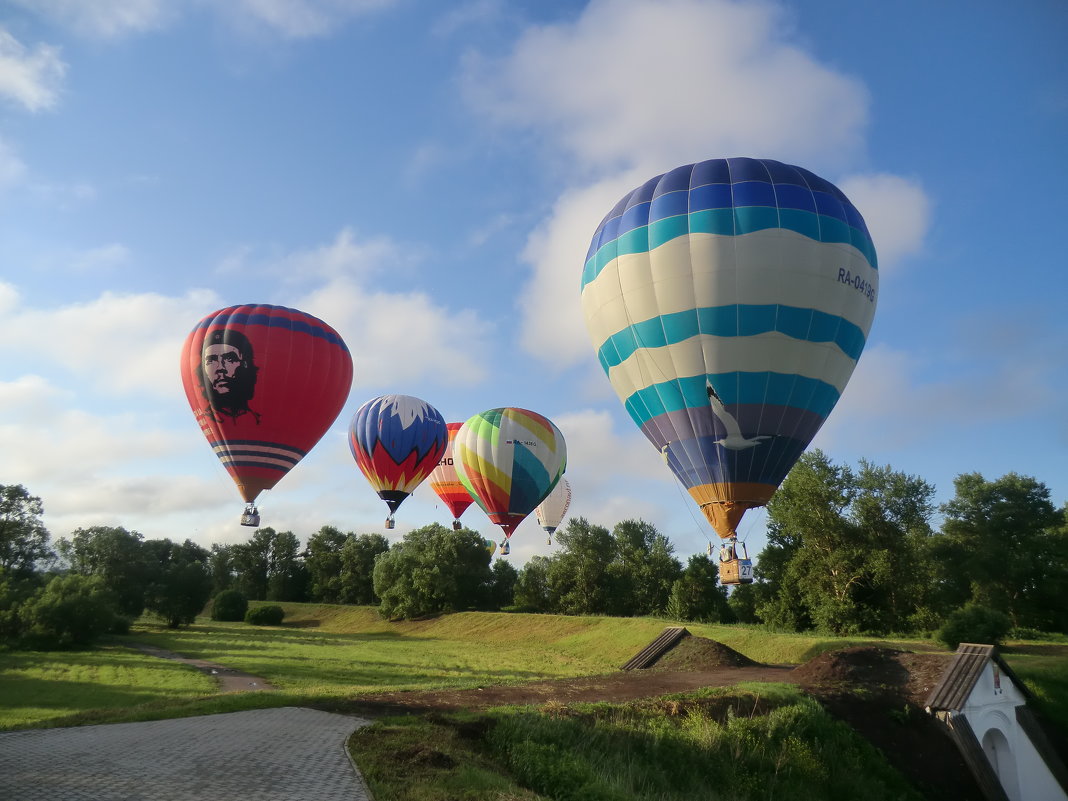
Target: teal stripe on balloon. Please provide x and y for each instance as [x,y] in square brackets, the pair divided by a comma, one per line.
[729,222]
[767,388]
[530,481]
[737,320]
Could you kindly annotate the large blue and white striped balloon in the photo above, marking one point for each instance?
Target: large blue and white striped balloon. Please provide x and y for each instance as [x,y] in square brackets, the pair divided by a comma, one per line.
[729,301]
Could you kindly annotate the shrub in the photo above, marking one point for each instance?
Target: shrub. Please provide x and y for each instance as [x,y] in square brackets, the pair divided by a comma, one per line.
[265,616]
[229,605]
[974,623]
[70,611]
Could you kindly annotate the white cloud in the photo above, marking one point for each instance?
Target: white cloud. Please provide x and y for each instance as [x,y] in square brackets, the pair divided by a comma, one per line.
[636,83]
[483,234]
[296,19]
[896,210]
[592,439]
[29,78]
[101,259]
[631,88]
[399,337]
[64,196]
[896,400]
[105,20]
[347,257]
[121,343]
[552,326]
[291,19]
[12,170]
[463,16]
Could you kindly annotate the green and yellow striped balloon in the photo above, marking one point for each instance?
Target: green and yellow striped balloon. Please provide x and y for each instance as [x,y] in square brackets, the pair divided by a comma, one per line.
[509,459]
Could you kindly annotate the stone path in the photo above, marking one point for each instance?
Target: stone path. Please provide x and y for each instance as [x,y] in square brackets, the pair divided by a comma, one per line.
[285,754]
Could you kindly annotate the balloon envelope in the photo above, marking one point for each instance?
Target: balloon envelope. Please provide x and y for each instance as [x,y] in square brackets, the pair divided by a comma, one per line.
[728,302]
[396,441]
[264,383]
[552,510]
[444,481]
[509,459]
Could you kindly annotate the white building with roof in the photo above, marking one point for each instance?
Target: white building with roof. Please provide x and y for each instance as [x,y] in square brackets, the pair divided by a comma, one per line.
[984,706]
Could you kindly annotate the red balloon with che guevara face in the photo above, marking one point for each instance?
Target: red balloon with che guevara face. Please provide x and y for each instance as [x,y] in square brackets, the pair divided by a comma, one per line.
[265,383]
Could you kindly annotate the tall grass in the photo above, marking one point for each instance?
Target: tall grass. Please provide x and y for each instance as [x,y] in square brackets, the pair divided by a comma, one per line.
[700,745]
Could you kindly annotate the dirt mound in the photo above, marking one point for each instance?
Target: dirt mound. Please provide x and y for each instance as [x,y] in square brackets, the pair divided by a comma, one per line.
[699,654]
[863,665]
[876,670]
[879,693]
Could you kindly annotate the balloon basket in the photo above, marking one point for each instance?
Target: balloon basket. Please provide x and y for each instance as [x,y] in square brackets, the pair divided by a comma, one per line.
[251,516]
[390,523]
[735,569]
[457,525]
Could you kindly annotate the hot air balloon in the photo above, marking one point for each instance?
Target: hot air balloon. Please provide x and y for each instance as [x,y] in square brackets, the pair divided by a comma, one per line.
[552,510]
[509,459]
[728,302]
[265,383]
[397,440]
[444,481]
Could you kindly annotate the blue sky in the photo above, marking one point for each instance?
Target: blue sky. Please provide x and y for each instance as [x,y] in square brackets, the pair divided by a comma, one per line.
[426,178]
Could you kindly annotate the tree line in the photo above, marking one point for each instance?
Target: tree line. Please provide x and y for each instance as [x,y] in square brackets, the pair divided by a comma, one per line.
[850,551]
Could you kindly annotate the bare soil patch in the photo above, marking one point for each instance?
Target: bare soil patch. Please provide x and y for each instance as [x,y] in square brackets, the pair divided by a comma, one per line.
[228,679]
[879,693]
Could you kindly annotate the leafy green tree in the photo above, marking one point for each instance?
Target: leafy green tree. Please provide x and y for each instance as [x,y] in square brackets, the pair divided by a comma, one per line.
[221,567]
[116,556]
[358,556]
[1004,546]
[251,563]
[743,602]
[531,593]
[71,611]
[323,561]
[644,569]
[287,575]
[579,578]
[15,590]
[847,550]
[503,579]
[180,583]
[23,537]
[432,570]
[696,594]
[268,567]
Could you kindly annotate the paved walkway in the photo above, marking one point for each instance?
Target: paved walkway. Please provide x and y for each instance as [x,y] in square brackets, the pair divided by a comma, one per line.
[286,754]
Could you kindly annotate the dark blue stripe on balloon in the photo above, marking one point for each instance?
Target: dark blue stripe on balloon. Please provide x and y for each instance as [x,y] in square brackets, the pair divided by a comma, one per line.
[753,419]
[231,454]
[305,323]
[238,463]
[701,461]
[726,183]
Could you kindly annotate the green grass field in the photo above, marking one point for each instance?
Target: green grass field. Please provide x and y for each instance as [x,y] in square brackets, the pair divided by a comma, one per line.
[325,653]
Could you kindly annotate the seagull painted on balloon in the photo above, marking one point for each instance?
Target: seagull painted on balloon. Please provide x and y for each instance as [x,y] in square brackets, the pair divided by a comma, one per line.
[734,440]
